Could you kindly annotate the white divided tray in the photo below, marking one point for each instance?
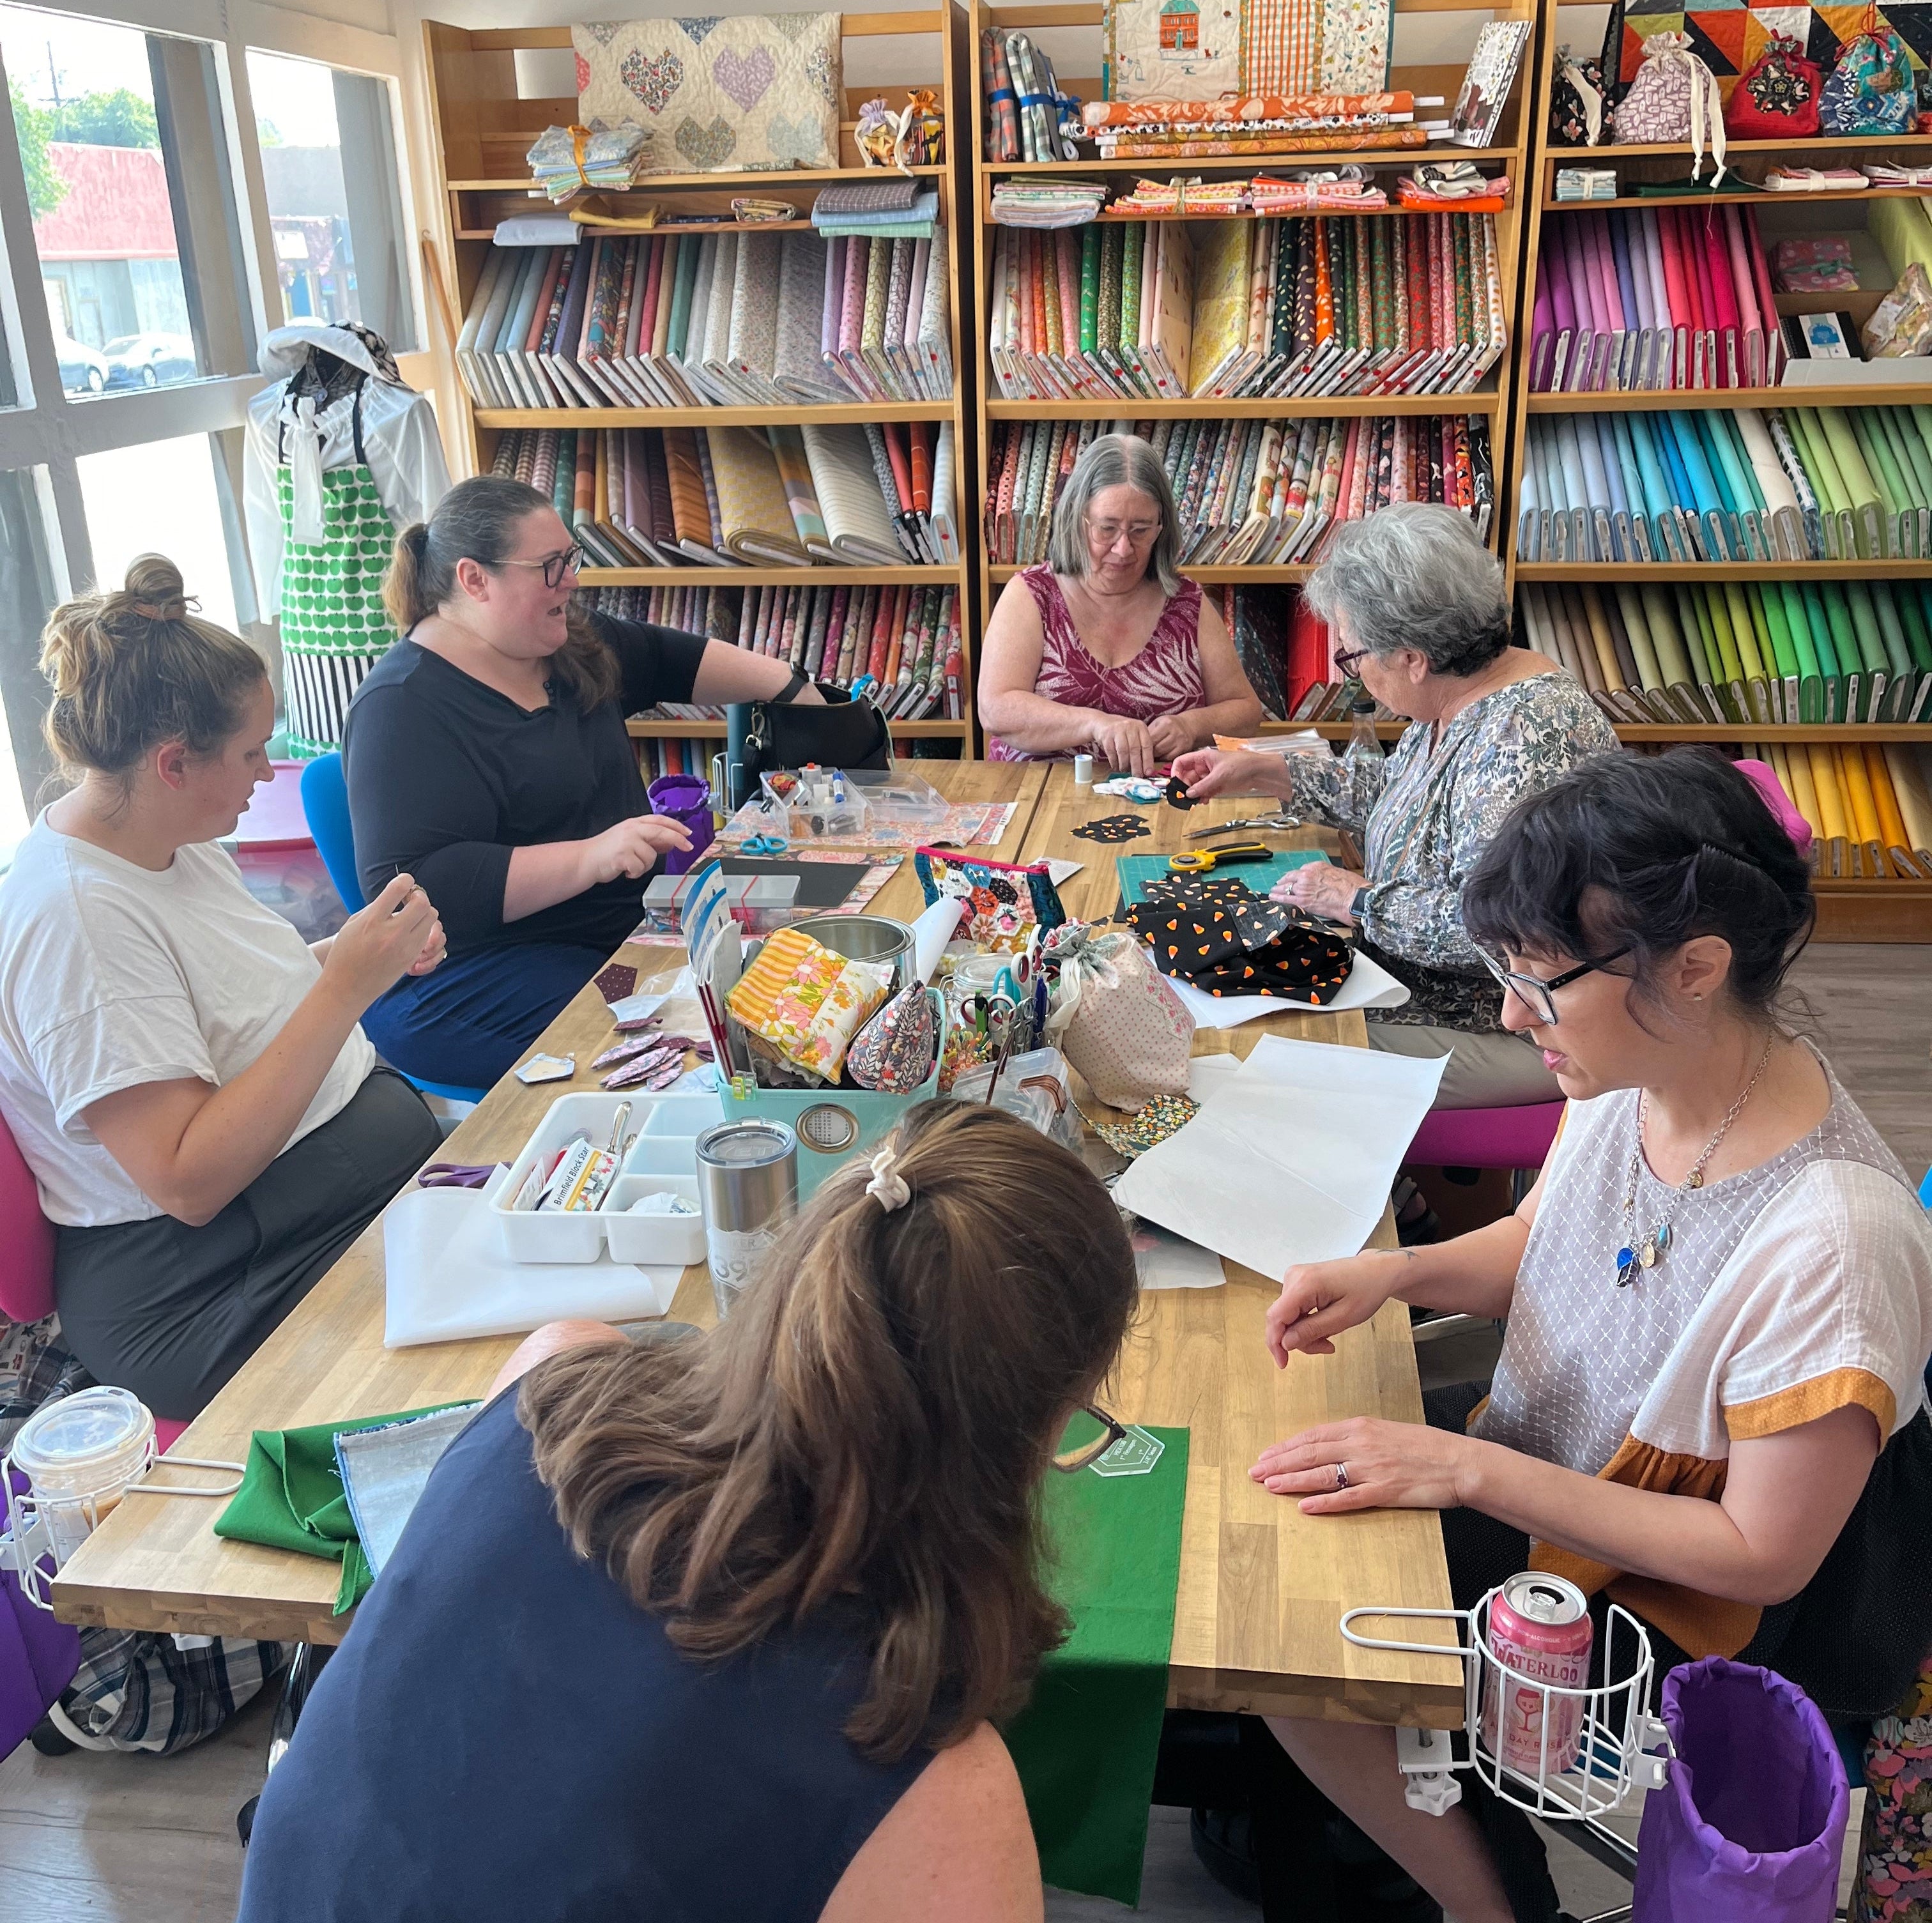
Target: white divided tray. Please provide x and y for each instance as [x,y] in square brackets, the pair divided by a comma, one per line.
[663,1159]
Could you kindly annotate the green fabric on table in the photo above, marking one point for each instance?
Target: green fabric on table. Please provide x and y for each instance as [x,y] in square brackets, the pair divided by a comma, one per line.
[1136,872]
[1085,1746]
[291,1498]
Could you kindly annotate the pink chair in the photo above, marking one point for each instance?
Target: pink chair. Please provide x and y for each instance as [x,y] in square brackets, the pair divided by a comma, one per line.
[27,1239]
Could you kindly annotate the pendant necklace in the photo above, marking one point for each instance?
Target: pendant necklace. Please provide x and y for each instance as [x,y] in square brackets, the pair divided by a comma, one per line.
[1646,1251]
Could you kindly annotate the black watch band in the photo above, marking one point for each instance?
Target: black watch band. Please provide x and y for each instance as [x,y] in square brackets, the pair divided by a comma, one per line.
[1358,902]
[790,691]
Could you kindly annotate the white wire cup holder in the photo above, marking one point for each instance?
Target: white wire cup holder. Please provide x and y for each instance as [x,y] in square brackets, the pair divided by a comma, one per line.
[36,1544]
[1566,1754]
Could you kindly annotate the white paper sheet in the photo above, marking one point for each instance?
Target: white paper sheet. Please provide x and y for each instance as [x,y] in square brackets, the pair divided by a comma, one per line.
[447,1277]
[1369,986]
[1162,1260]
[1058,870]
[1291,1158]
[932,932]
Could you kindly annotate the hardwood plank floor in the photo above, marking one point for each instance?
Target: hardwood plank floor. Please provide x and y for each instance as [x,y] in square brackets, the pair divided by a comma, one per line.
[140,1839]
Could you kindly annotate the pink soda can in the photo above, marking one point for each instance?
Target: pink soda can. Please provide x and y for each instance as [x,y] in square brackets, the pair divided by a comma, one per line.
[1540,1633]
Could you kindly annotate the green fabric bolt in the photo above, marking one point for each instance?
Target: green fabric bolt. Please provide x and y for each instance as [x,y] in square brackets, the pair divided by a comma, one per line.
[1085,1746]
[291,1498]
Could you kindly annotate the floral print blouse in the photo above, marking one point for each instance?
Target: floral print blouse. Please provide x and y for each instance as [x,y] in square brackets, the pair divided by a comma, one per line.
[1437,803]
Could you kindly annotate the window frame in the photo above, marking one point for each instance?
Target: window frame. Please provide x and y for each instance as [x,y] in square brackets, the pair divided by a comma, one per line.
[50,430]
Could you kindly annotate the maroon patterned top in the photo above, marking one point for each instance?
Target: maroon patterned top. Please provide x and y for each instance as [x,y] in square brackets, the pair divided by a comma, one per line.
[1163,679]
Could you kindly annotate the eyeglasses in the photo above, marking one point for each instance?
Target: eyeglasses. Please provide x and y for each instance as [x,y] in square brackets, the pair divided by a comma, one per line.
[1346,659]
[1107,533]
[1538,995]
[1068,1461]
[554,566]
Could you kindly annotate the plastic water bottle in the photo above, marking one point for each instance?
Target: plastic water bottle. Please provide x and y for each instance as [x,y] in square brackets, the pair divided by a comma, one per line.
[1363,780]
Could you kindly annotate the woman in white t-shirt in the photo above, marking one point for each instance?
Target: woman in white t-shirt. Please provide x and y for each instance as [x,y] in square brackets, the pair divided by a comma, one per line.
[1709,1407]
[205,1118]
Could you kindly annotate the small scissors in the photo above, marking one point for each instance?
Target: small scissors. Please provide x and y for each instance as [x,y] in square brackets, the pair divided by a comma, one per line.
[456,1175]
[992,1014]
[1198,861]
[1264,823]
[763,845]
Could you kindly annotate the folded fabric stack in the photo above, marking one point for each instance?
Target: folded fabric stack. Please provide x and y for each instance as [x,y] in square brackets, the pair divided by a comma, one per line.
[1868,809]
[1027,117]
[1346,189]
[1164,310]
[1798,484]
[901,645]
[725,320]
[1247,493]
[1454,184]
[1214,932]
[1880,173]
[1656,298]
[569,161]
[1780,179]
[1133,128]
[1210,199]
[900,208]
[1775,651]
[1047,203]
[881,495]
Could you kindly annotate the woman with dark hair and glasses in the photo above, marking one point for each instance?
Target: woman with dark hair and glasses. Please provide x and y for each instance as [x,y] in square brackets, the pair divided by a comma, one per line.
[1421,617]
[486,755]
[797,1559]
[1710,1406]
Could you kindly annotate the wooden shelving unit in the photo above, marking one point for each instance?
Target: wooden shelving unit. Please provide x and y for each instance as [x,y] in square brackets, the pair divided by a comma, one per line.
[1850,909]
[483,129]
[1491,401]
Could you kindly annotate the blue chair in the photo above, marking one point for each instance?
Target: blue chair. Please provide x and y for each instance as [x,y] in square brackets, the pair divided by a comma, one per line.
[324,798]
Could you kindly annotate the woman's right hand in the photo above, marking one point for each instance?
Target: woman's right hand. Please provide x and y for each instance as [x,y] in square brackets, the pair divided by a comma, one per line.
[1211,771]
[1319,1300]
[631,848]
[377,945]
[1127,745]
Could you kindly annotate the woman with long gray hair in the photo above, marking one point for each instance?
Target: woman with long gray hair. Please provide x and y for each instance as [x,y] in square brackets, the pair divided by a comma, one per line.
[1421,617]
[1105,646]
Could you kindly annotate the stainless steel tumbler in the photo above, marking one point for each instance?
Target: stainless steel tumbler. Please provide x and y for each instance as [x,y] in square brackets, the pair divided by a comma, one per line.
[748,1183]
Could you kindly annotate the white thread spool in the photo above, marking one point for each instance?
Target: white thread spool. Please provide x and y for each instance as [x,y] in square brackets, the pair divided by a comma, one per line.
[1083,771]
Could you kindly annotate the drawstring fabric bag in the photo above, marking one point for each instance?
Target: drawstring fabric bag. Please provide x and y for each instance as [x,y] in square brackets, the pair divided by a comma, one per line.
[1778,98]
[1674,97]
[1871,90]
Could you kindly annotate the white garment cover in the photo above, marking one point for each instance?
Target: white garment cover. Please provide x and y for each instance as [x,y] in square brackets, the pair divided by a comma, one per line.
[400,441]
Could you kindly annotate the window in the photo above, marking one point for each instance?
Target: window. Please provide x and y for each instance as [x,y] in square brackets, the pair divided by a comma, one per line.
[329,168]
[26,594]
[134,220]
[182,517]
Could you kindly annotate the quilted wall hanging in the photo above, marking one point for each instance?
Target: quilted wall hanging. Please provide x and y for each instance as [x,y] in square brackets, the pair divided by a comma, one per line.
[740,94]
[1731,39]
[1199,49]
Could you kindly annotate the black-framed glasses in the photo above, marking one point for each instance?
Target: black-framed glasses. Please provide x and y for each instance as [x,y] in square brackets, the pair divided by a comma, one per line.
[1538,995]
[554,566]
[1068,1461]
[1346,659]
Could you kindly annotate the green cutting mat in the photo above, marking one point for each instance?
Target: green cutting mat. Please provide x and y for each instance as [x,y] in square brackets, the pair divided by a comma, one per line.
[1136,871]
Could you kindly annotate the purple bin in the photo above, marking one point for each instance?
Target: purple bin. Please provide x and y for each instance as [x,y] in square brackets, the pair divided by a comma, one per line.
[38,1656]
[684,798]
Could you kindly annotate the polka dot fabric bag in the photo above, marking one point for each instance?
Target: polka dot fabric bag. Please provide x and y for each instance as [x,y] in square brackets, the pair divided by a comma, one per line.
[1114,1019]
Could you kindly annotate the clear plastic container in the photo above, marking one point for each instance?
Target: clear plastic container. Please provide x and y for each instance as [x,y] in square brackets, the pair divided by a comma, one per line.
[80,1454]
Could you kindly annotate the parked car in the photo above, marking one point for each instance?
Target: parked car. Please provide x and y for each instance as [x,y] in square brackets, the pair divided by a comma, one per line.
[147,360]
[83,369]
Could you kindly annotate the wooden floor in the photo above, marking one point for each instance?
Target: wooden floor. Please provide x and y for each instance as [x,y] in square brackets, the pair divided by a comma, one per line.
[138,1839]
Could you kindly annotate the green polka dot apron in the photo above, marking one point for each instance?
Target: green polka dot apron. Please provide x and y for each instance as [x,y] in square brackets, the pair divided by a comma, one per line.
[334,629]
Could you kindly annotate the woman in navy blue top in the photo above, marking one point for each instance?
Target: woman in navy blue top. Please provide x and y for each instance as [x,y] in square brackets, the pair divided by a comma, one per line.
[718,1629]
[486,755]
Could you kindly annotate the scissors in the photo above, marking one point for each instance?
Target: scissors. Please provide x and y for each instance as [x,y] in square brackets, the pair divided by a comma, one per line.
[992,1014]
[1198,861]
[456,1175]
[1265,823]
[763,845]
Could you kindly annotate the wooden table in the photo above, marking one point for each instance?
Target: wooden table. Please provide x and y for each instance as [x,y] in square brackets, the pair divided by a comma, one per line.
[1261,1585]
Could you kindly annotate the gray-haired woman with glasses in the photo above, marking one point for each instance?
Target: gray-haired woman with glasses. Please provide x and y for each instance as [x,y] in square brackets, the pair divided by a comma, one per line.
[1105,646]
[486,755]
[1419,616]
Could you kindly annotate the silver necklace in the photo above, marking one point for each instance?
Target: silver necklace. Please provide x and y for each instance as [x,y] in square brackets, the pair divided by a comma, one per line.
[1645,1252]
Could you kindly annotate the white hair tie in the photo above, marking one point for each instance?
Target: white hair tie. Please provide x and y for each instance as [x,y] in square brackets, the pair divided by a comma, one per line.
[891,1189]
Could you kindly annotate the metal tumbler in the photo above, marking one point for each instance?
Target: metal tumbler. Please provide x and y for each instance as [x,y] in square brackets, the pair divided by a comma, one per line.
[748,1183]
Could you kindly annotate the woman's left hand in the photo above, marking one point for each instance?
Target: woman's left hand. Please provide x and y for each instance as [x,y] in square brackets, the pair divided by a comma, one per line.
[1172,735]
[1389,1465]
[433,950]
[1322,889]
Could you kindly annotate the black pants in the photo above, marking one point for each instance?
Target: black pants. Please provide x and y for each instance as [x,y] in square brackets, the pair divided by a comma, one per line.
[171,1311]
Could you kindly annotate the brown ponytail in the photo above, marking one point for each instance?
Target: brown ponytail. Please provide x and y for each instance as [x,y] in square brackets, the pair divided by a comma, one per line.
[132,667]
[872,1422]
[478,520]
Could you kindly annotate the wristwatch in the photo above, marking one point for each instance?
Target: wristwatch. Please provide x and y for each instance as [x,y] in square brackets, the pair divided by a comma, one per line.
[1358,902]
[790,691]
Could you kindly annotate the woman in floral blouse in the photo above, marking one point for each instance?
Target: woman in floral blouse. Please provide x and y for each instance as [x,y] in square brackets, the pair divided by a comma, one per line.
[1421,617]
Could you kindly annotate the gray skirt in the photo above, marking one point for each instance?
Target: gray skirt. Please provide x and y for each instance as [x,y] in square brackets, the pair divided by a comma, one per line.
[171,1311]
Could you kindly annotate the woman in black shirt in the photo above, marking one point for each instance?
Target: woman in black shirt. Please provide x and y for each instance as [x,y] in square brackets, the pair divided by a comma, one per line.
[487,755]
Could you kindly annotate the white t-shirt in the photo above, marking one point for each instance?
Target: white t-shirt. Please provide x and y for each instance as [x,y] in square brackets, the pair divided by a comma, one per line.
[113,975]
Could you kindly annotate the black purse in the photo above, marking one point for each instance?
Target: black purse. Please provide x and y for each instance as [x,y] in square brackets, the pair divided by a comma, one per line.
[760,736]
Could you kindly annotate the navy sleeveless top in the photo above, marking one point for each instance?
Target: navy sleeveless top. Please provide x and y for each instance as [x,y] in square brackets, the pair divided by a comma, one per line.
[504,1734]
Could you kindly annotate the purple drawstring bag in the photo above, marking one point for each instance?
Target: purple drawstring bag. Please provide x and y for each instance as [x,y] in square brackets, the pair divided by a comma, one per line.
[686,800]
[38,1656]
[1750,1825]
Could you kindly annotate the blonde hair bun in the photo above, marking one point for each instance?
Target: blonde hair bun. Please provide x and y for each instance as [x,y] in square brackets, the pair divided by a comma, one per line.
[154,588]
